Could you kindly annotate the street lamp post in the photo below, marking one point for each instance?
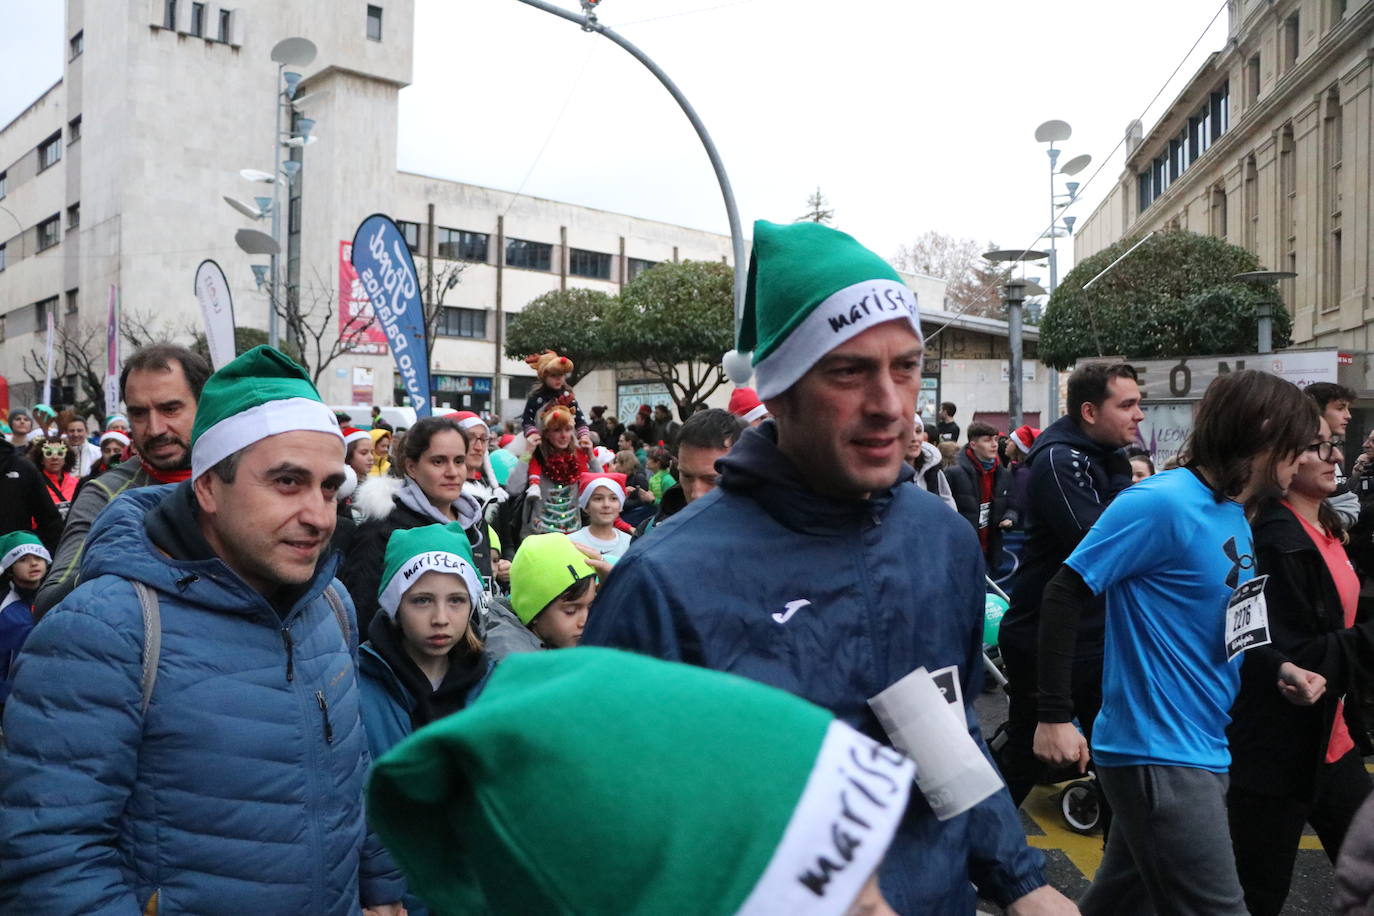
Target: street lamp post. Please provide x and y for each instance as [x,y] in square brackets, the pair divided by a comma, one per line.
[1014,296]
[1264,312]
[1053,132]
[589,23]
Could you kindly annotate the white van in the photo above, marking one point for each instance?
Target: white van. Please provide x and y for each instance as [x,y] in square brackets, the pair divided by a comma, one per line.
[361,416]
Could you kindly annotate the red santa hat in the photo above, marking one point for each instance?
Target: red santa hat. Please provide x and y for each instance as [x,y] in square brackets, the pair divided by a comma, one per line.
[352,434]
[588,483]
[1024,437]
[467,419]
[745,404]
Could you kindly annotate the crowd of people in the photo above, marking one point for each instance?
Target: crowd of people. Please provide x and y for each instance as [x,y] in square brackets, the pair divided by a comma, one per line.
[256,658]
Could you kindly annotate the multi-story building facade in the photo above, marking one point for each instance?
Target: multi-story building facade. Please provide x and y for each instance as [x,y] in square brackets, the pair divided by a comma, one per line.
[1269,147]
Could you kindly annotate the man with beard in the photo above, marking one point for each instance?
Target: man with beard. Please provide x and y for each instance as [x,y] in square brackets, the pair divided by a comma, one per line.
[160,386]
[799,569]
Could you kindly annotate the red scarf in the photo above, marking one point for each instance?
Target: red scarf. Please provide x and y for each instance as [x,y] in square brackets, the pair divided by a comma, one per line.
[165,476]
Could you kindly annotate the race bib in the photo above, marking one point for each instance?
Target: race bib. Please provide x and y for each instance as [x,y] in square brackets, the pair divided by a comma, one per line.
[1247,618]
[984,514]
[947,679]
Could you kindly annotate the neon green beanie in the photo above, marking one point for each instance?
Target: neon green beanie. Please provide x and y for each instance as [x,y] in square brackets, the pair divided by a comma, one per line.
[545,566]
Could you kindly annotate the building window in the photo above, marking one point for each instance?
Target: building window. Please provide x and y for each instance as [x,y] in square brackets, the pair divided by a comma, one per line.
[637,266]
[74,129]
[1332,154]
[374,22]
[77,44]
[71,305]
[1252,80]
[518,387]
[74,216]
[411,233]
[48,232]
[1218,215]
[4,180]
[530,255]
[2,257]
[1252,205]
[1337,11]
[460,322]
[169,14]
[1220,111]
[1291,39]
[50,151]
[293,215]
[198,19]
[592,264]
[460,245]
[224,22]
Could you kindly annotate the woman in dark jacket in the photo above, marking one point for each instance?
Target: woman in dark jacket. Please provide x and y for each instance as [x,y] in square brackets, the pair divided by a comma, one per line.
[1290,764]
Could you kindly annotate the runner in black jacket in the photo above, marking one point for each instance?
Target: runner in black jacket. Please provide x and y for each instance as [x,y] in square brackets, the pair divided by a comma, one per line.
[24,501]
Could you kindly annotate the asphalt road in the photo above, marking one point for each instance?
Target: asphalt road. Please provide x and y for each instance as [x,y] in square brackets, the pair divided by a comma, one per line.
[1071,858]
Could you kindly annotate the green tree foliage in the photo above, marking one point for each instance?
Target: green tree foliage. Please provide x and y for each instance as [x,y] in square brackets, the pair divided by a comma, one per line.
[571,321]
[674,322]
[1173,296]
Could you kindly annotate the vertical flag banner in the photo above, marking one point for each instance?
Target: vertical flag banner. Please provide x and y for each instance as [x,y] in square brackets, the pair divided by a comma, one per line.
[112,363]
[217,307]
[387,274]
[356,320]
[47,358]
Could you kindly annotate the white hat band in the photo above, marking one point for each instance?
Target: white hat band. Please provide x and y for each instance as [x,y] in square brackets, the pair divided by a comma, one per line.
[585,496]
[432,561]
[241,430]
[14,553]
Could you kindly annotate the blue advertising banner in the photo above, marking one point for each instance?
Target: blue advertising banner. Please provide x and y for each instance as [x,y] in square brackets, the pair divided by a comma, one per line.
[387,274]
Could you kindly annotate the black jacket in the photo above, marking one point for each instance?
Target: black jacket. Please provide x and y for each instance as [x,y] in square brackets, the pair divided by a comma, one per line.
[1277,747]
[25,504]
[963,483]
[1072,481]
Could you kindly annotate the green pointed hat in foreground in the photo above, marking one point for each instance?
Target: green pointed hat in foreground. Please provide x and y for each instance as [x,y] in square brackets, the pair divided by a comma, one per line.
[596,781]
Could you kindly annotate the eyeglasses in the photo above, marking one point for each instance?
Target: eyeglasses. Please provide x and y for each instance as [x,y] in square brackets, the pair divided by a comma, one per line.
[54,451]
[1323,450]
[481,437]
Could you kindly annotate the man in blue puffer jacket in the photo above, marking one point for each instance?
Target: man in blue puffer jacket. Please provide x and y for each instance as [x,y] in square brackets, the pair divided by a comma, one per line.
[235,785]
[814,568]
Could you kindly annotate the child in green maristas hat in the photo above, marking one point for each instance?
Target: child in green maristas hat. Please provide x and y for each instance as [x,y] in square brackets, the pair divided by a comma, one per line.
[23,563]
[598,781]
[424,657]
[552,585]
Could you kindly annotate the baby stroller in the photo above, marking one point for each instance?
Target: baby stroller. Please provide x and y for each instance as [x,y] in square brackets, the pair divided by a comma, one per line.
[1080,801]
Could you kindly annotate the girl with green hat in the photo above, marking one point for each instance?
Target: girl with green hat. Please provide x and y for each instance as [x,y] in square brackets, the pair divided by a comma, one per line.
[23,563]
[424,657]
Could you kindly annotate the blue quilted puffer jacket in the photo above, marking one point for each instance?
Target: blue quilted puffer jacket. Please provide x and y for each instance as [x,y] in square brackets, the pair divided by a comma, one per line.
[240,789]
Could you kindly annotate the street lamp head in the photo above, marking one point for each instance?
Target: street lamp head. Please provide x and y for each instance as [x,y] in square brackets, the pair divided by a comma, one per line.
[1054,156]
[1076,165]
[1068,223]
[291,167]
[255,175]
[1015,254]
[244,208]
[1072,188]
[1014,293]
[260,273]
[1053,132]
[264,204]
[294,52]
[293,80]
[251,241]
[304,126]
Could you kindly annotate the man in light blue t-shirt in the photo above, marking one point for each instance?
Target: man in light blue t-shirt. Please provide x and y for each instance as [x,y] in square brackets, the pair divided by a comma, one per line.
[1173,555]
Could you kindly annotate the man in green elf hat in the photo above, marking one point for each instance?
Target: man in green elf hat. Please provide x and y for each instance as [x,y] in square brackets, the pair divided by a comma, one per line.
[193,703]
[816,566]
[594,781]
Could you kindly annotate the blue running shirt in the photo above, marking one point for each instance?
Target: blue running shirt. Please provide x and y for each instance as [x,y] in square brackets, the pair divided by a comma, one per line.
[1168,556]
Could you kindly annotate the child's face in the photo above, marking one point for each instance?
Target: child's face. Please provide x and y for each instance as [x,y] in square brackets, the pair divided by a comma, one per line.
[555,381]
[603,507]
[29,570]
[560,438]
[434,614]
[560,624]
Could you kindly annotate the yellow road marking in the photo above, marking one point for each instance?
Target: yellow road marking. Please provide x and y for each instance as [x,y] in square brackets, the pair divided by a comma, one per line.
[1085,852]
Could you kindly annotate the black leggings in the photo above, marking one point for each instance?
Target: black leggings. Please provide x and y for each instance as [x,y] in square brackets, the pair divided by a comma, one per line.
[1265,829]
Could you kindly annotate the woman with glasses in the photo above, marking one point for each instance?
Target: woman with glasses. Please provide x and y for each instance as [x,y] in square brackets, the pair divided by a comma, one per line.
[1295,765]
[58,464]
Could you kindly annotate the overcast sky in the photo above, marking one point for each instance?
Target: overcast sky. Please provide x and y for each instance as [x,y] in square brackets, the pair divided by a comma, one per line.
[908,114]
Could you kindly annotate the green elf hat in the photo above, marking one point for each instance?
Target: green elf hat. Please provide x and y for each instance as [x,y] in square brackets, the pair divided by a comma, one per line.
[45,410]
[410,553]
[259,394]
[781,808]
[811,288]
[18,544]
[545,566]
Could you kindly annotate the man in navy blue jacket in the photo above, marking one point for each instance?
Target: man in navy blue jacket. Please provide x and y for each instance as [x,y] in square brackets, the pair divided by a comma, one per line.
[1077,467]
[815,565]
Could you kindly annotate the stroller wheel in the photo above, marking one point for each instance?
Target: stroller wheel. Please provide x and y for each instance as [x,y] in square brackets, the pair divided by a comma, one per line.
[1079,804]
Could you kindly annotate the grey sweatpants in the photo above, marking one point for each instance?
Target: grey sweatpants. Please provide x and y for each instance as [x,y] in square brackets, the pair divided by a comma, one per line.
[1169,849]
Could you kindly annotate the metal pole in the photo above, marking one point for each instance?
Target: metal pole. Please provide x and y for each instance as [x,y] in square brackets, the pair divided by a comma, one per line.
[1052,376]
[589,23]
[1014,295]
[274,289]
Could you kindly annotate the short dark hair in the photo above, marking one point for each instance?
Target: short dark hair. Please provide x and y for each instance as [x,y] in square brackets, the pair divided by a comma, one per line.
[227,468]
[1089,383]
[160,356]
[1326,392]
[978,428]
[949,408]
[571,593]
[712,428]
[1243,415]
[633,438]
[418,437]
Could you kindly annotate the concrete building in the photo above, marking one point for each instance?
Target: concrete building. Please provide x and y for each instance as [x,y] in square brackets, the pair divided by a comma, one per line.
[115,177]
[1269,147]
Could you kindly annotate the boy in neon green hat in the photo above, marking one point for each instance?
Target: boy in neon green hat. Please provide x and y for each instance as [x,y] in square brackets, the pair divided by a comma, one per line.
[552,585]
